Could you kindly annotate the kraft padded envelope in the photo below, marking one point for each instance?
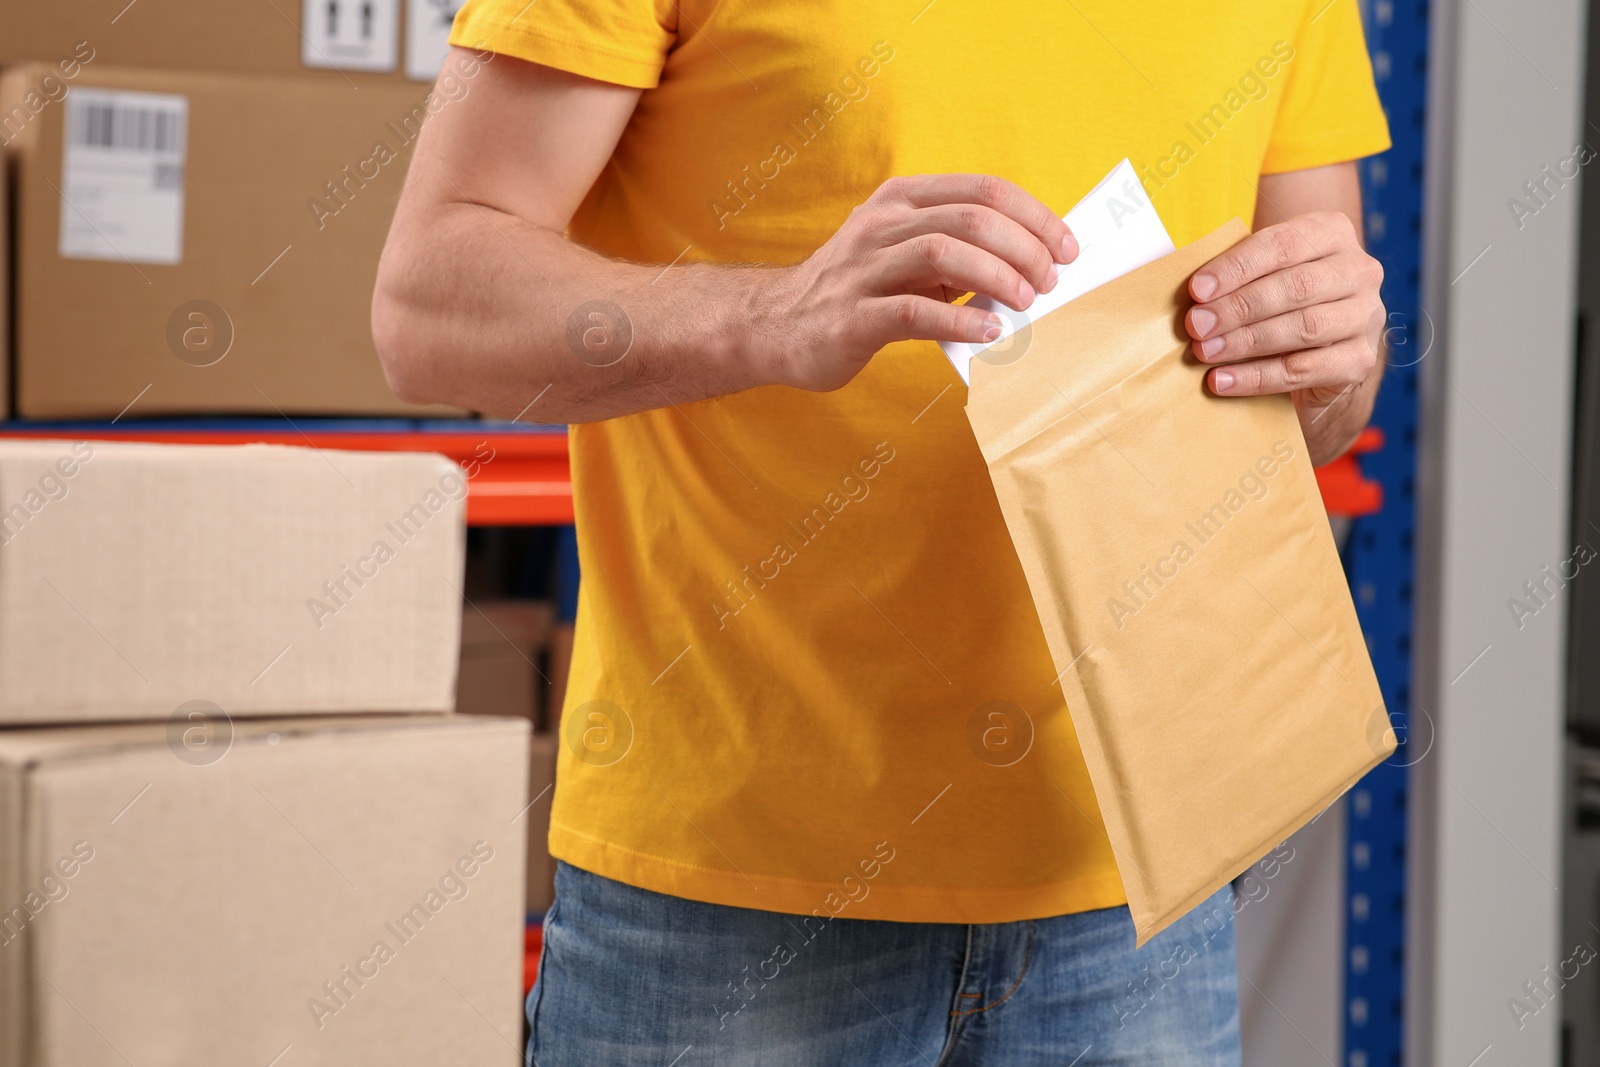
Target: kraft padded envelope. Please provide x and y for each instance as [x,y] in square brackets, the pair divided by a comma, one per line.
[1182,566]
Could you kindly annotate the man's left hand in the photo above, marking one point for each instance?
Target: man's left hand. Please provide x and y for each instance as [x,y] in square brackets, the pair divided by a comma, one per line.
[1291,309]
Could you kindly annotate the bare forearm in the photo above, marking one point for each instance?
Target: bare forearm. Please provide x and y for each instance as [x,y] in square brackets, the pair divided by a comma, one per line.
[510,318]
[482,302]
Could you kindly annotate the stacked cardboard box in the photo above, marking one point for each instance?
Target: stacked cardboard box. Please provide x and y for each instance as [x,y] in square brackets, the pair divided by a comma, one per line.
[136,577]
[347,888]
[502,642]
[246,866]
[505,661]
[560,658]
[202,192]
[330,39]
[5,290]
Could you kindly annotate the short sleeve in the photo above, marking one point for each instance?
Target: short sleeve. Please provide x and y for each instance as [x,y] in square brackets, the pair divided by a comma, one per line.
[624,42]
[1330,111]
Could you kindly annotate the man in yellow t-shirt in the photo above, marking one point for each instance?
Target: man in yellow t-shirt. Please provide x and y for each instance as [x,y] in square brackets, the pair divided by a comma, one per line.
[820,800]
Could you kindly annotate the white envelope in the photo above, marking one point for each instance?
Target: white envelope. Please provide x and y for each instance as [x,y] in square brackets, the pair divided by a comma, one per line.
[1117,229]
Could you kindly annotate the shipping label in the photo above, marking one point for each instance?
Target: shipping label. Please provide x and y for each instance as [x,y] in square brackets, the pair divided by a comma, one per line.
[122,174]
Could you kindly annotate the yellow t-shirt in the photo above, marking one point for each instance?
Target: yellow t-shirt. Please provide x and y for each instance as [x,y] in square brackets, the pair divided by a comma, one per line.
[808,674]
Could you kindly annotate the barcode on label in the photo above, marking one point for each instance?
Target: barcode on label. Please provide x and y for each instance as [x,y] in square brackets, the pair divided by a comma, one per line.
[122,176]
[108,124]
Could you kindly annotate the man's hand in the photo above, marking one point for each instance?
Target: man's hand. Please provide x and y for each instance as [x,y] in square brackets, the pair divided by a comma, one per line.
[891,270]
[483,301]
[1293,308]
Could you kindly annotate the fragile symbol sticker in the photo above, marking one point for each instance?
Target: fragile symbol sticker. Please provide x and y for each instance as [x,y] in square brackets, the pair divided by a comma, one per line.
[428,25]
[122,169]
[350,34]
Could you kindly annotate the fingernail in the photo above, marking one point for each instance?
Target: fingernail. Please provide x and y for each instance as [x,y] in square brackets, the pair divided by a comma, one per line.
[1202,321]
[1221,381]
[1025,295]
[1069,248]
[1052,278]
[1210,347]
[992,331]
[1203,286]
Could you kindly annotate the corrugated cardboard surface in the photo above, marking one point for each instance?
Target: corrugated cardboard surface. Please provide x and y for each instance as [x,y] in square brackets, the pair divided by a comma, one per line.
[201,35]
[12,892]
[501,645]
[487,626]
[5,289]
[249,576]
[559,670]
[92,336]
[219,899]
[541,789]
[1222,694]
[500,683]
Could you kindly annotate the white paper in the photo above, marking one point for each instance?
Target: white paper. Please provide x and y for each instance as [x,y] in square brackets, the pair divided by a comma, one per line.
[428,36]
[122,164]
[1117,229]
[350,34]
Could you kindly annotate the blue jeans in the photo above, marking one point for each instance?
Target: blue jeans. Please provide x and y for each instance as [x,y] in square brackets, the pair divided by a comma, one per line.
[632,978]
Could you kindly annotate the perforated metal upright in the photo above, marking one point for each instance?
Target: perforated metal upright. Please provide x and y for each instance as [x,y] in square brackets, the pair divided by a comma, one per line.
[1380,553]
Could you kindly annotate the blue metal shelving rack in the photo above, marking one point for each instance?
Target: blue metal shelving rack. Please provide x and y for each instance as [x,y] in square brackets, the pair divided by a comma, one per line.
[1380,553]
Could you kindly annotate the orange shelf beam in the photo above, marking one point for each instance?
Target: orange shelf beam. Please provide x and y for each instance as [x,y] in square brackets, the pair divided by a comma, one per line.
[1345,490]
[524,479]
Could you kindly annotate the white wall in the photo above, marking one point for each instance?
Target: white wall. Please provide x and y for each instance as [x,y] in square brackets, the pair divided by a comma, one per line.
[1291,950]
[1507,86]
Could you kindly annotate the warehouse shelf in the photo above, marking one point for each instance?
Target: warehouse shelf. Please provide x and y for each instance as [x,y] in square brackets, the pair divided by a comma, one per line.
[1380,558]
[527,480]
[1346,492]
[518,473]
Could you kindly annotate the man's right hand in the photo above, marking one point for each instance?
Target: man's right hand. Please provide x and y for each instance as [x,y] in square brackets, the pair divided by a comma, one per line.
[479,289]
[891,271]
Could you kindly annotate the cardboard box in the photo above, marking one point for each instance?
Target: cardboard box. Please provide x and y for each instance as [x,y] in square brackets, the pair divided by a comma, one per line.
[541,880]
[558,666]
[5,292]
[137,578]
[501,643]
[200,243]
[331,40]
[498,684]
[333,892]
[487,626]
